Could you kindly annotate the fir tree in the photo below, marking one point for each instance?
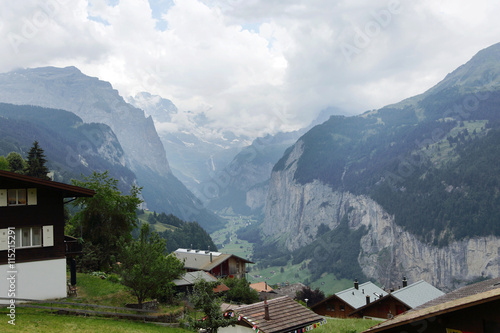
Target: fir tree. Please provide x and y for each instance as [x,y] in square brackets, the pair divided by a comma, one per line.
[36,162]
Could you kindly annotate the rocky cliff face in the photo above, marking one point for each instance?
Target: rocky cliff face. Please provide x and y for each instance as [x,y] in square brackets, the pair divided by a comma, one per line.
[294,212]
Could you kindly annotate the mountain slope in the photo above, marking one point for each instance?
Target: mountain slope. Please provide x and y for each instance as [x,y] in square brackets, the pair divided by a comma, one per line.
[96,101]
[419,175]
[72,147]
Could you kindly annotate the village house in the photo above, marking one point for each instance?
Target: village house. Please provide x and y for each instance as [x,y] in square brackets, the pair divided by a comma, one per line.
[278,315]
[32,243]
[369,301]
[185,283]
[469,309]
[343,303]
[398,301]
[218,264]
[265,291]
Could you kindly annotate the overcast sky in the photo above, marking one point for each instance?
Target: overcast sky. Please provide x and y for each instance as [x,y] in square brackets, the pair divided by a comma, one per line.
[253,66]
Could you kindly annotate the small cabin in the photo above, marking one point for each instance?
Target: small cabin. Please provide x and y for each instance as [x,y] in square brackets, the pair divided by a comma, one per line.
[218,264]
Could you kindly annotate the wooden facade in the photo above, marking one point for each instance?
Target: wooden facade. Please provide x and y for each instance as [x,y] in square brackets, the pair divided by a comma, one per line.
[32,227]
[384,308]
[334,307]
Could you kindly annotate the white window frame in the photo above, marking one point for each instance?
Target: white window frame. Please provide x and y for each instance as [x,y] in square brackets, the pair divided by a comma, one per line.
[17,197]
[19,237]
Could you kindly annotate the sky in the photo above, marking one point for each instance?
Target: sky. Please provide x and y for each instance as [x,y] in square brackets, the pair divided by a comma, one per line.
[253,66]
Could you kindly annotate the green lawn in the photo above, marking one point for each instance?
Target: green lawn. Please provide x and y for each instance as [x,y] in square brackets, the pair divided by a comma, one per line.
[346,325]
[31,320]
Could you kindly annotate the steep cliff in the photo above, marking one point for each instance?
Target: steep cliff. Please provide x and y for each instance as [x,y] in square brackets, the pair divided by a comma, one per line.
[419,179]
[294,212]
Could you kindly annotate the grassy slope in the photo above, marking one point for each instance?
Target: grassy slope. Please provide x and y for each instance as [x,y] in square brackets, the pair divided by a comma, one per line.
[92,290]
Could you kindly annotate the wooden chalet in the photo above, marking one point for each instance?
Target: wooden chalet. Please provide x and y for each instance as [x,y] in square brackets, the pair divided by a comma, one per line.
[32,241]
[278,315]
[399,301]
[343,303]
[473,308]
[216,263]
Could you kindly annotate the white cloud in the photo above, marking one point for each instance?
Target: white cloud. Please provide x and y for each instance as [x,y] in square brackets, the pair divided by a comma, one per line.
[252,65]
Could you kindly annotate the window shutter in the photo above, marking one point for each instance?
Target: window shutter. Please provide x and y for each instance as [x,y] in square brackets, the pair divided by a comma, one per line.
[48,235]
[32,200]
[4,236]
[3,198]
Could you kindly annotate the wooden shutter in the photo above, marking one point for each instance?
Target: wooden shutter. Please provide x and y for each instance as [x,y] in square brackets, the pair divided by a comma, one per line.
[48,235]
[32,199]
[4,236]
[3,198]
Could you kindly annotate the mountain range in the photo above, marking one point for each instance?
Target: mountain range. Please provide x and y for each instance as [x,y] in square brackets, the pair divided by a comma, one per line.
[95,101]
[411,189]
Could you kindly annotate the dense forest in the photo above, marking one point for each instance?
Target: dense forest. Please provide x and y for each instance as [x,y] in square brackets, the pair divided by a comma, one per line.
[432,162]
[181,234]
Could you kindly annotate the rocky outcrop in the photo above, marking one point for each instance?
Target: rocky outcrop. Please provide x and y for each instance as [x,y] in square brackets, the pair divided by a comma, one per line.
[294,212]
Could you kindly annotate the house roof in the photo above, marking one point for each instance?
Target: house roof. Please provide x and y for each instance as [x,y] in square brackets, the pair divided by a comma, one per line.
[190,278]
[417,294]
[67,190]
[356,298]
[200,260]
[290,290]
[261,287]
[437,309]
[469,290]
[285,314]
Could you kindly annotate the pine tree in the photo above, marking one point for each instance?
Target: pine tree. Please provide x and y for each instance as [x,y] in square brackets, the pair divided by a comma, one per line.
[36,162]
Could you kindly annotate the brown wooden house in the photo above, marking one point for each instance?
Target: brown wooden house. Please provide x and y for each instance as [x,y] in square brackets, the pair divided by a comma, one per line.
[473,308]
[398,301]
[32,241]
[216,263]
[343,303]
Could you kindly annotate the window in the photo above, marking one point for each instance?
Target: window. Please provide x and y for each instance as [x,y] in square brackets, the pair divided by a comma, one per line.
[16,197]
[28,237]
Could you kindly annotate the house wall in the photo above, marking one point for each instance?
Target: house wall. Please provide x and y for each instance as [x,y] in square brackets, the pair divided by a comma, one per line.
[44,279]
[333,308]
[48,211]
[481,318]
[385,309]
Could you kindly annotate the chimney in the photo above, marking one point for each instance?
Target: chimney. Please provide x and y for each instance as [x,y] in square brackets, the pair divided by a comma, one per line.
[266,286]
[367,299]
[356,284]
[266,310]
[210,256]
[405,282]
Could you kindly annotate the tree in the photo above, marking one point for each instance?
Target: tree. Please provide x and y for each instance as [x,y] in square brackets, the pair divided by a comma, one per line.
[16,162]
[144,267]
[203,298]
[35,164]
[105,218]
[4,164]
[240,291]
[313,296]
